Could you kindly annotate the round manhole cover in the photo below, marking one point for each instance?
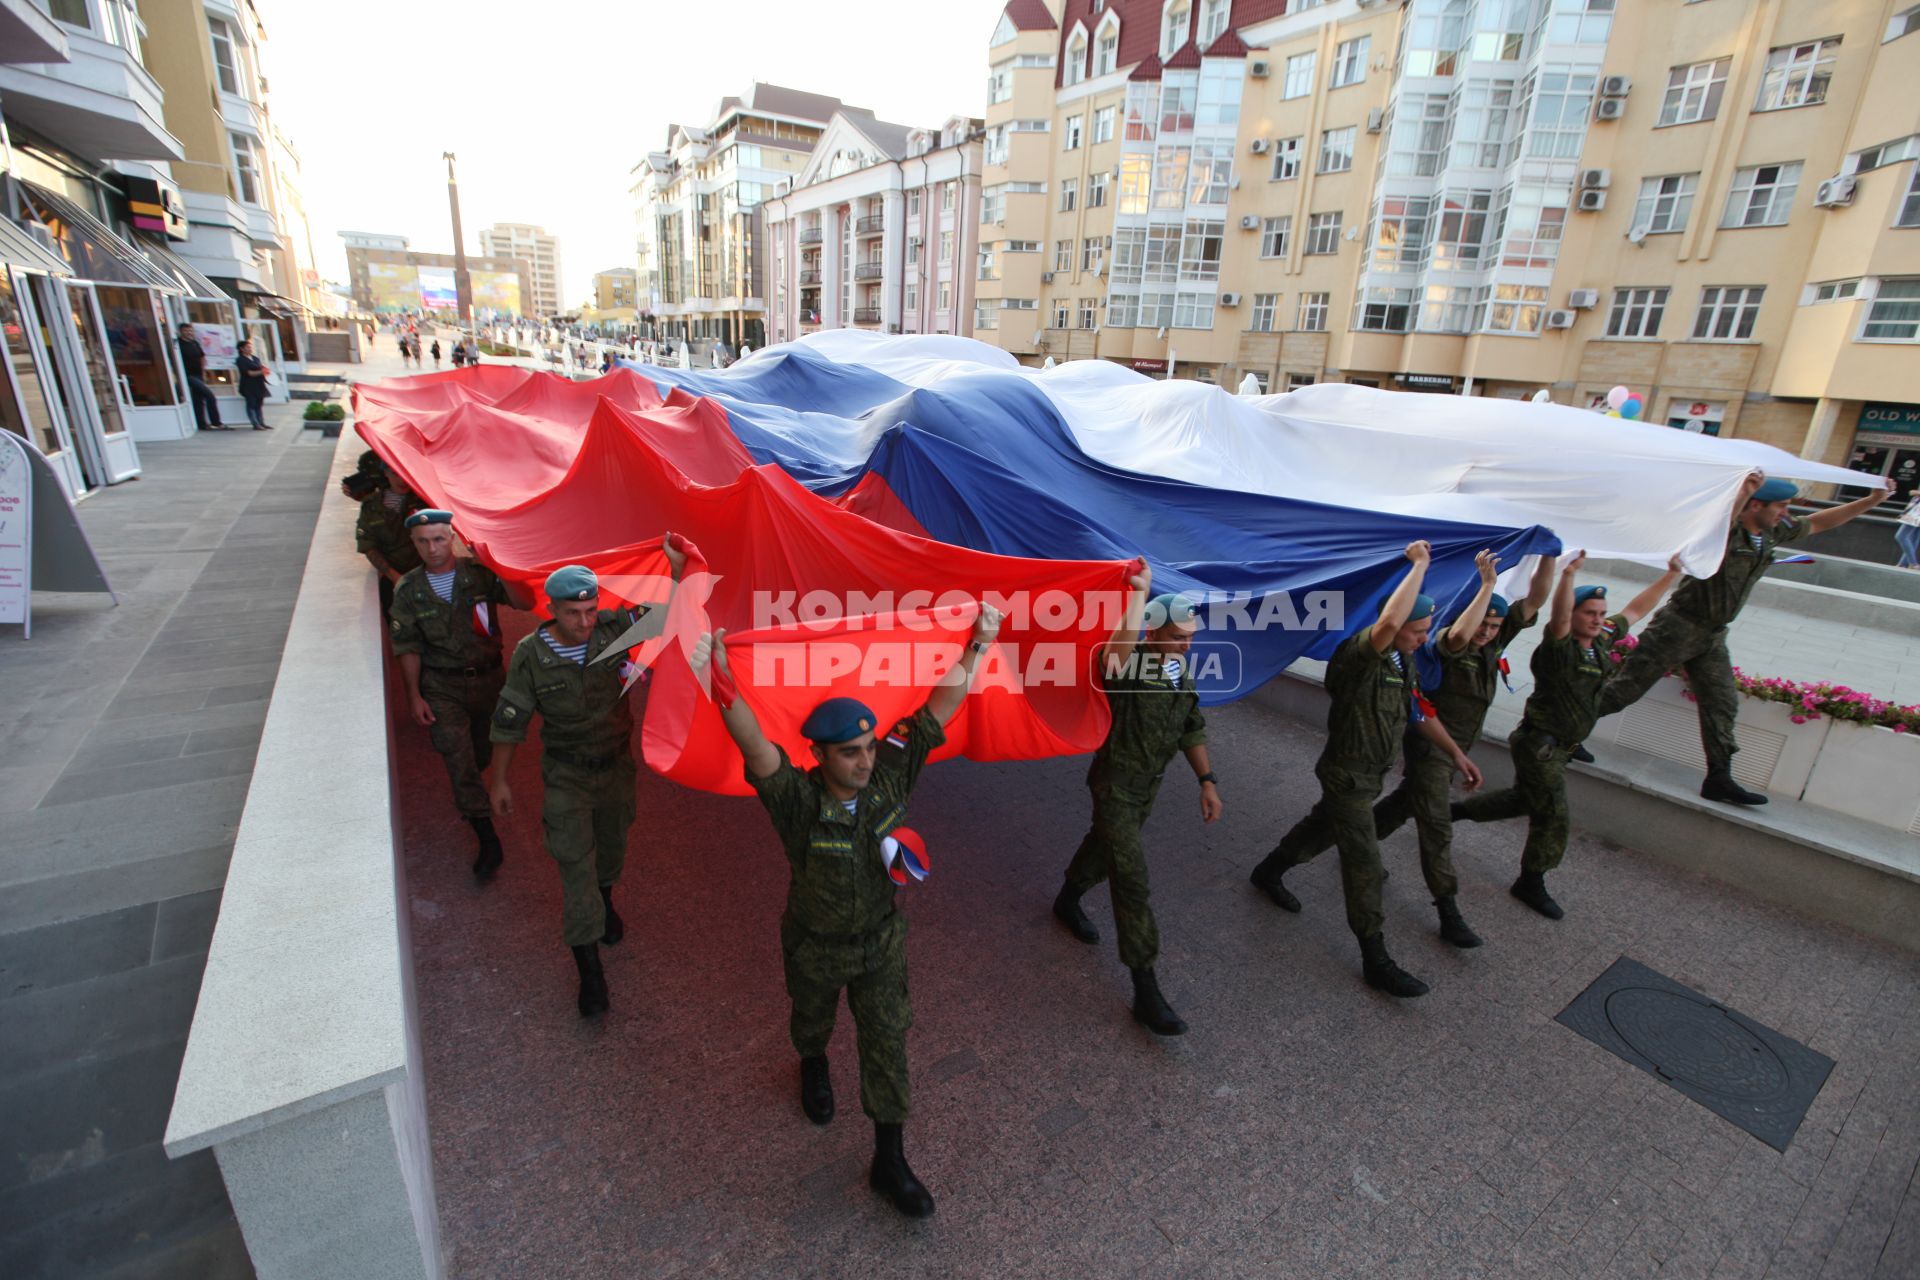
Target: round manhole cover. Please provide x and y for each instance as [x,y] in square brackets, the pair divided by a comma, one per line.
[1697,1044]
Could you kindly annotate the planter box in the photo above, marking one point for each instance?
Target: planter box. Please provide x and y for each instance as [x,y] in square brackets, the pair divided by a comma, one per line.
[1871,773]
[1776,755]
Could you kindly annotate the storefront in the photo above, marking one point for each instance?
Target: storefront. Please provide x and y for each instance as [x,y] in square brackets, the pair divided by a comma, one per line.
[215,318]
[33,404]
[1887,443]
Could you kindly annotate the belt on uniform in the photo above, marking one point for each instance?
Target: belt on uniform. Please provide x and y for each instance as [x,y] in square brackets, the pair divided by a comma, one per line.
[843,939]
[1527,726]
[485,669]
[580,760]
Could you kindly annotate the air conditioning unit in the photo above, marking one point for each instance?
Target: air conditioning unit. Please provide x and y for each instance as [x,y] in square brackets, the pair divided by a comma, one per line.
[1046,277]
[1609,108]
[1229,299]
[1615,86]
[1258,146]
[1560,319]
[1581,299]
[1249,222]
[1376,117]
[1834,192]
[1592,201]
[1596,179]
[1259,68]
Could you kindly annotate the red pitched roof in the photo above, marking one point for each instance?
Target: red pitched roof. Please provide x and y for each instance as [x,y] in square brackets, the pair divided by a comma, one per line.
[1229,45]
[1147,70]
[1187,59]
[1029,15]
[1140,25]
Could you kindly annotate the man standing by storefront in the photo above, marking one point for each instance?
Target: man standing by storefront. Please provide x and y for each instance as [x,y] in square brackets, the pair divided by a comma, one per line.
[206,409]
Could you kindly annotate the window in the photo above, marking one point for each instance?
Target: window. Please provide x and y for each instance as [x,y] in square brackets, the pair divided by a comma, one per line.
[1071,139]
[1834,291]
[1213,20]
[1462,237]
[1090,252]
[1200,247]
[1702,417]
[1299,80]
[995,151]
[1562,100]
[1762,195]
[1727,312]
[1581,21]
[1336,150]
[1313,313]
[946,296]
[1515,308]
[946,246]
[913,203]
[245,170]
[1106,49]
[1483,117]
[1000,85]
[1400,233]
[1894,313]
[1665,203]
[1170,166]
[1529,223]
[1350,62]
[1693,92]
[1136,179]
[1062,312]
[946,196]
[1323,233]
[993,203]
[1097,189]
[1069,195]
[1636,313]
[1020,304]
[1797,75]
[1076,69]
[1265,307]
[1063,255]
[986,313]
[1418,143]
[1173,27]
[1384,310]
[1023,246]
[1903,23]
[1275,233]
[224,62]
[1211,175]
[1909,215]
[1295,381]
[1447,308]
[1103,125]
[1089,313]
[912,297]
[1885,154]
[986,270]
[1286,159]
[1193,311]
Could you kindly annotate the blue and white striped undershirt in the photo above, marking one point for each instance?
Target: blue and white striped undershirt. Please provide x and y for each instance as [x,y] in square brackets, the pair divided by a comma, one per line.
[1173,667]
[849,803]
[442,584]
[571,652]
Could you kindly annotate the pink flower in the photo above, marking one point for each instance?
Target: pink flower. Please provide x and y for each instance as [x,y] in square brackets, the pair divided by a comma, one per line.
[1898,727]
[1798,719]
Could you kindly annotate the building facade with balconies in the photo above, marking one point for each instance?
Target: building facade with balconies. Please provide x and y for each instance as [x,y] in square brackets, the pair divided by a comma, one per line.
[540,250]
[878,232]
[1485,196]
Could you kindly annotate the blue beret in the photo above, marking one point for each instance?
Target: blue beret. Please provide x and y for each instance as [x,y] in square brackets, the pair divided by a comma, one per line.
[428,515]
[572,582]
[1170,606]
[1422,608]
[1776,491]
[1497,606]
[1592,592]
[839,720]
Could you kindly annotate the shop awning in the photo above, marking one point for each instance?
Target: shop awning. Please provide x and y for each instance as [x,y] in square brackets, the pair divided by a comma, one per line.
[184,273]
[272,303]
[18,249]
[90,247]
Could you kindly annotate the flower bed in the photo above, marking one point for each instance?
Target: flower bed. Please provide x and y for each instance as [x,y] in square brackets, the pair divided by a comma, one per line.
[1807,701]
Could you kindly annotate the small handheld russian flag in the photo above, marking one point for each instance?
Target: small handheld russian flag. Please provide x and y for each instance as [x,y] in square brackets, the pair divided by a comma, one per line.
[1798,558]
[904,854]
[1506,671]
[483,620]
[1421,708]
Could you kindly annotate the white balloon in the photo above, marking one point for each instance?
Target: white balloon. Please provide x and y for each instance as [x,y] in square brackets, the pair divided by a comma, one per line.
[1542,396]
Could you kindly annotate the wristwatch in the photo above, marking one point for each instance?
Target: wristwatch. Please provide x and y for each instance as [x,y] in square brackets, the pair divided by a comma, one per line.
[1207,777]
[980,646]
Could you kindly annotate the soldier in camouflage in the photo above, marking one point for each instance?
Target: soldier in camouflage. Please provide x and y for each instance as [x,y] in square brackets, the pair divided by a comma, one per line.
[586,757]
[444,625]
[380,532]
[1156,712]
[1571,666]
[1375,693]
[1460,668]
[1690,631]
[840,929]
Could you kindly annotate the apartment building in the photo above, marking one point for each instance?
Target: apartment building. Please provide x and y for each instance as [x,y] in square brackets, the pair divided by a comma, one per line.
[698,217]
[614,288]
[1712,202]
[880,230]
[540,251]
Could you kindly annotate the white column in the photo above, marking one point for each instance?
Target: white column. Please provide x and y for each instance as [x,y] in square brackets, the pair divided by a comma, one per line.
[893,253]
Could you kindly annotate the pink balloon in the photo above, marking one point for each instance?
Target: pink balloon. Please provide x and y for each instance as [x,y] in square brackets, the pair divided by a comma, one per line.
[1617,397]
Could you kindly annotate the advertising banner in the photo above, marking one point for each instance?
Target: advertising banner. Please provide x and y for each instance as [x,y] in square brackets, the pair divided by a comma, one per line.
[438,292]
[395,286]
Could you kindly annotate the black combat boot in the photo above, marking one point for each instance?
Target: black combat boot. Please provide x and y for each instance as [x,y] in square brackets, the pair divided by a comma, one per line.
[1066,909]
[1382,974]
[1150,1008]
[490,857]
[891,1176]
[1452,927]
[1581,754]
[593,980]
[816,1089]
[1268,882]
[1721,786]
[616,928]
[1531,888]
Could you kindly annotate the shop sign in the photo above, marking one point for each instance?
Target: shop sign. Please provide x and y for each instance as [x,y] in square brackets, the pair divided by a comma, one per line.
[1148,366]
[219,344]
[1890,419]
[1425,381]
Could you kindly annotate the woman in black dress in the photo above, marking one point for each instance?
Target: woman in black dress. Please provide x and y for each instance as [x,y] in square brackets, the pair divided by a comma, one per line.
[253,384]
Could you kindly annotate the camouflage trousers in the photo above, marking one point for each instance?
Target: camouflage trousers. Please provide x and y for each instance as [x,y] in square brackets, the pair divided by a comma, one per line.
[462,706]
[1424,794]
[1112,851]
[1672,642]
[1538,793]
[872,968]
[587,812]
[1341,819]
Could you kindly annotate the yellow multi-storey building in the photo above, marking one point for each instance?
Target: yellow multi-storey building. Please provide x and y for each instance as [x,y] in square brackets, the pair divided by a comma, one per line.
[1713,203]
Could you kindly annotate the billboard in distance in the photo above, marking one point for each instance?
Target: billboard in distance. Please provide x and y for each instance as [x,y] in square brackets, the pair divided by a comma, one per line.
[438,291]
[496,291]
[395,286]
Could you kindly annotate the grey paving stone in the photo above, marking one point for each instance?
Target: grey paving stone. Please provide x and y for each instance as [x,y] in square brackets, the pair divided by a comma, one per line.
[57,954]
[56,898]
[101,1017]
[79,784]
[183,926]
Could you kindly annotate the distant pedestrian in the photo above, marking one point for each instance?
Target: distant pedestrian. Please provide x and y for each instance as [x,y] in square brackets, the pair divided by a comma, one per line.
[253,385]
[206,409]
[1907,533]
[435,351]
[459,353]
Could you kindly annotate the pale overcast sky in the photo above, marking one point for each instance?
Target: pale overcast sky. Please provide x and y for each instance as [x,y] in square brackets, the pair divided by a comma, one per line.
[548,105]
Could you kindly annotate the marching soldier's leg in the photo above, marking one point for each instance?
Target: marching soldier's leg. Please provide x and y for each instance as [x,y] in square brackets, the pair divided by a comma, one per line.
[882,1013]
[459,734]
[1361,882]
[1541,776]
[1717,698]
[815,973]
[1661,648]
[1088,868]
[613,814]
[567,814]
[1310,837]
[1429,781]
[1119,822]
[1498,806]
